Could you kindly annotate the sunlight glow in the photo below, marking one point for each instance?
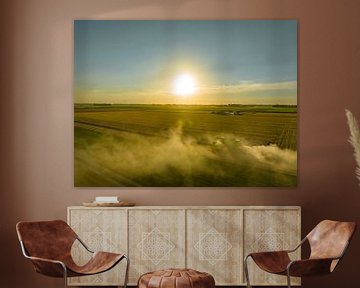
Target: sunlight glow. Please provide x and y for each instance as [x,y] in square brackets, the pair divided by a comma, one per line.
[184,85]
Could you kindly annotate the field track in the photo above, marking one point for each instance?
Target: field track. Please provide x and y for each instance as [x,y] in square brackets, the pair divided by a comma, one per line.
[258,128]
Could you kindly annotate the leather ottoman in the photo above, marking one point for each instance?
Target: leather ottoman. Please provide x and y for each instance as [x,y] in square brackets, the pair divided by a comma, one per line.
[176,278]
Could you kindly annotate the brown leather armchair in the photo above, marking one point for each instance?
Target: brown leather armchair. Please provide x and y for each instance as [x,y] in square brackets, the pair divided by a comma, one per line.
[328,242]
[48,245]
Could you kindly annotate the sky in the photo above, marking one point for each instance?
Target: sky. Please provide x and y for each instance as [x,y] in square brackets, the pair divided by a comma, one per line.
[231,62]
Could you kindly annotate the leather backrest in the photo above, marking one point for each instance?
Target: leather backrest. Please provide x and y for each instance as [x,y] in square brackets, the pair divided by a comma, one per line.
[329,238]
[46,239]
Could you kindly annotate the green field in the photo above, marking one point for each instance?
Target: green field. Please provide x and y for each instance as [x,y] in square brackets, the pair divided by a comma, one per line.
[184,145]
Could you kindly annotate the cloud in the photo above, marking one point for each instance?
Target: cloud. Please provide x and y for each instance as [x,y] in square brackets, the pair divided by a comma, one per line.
[249,86]
[281,160]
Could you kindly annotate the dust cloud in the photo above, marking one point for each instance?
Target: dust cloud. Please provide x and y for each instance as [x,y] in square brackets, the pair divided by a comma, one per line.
[130,159]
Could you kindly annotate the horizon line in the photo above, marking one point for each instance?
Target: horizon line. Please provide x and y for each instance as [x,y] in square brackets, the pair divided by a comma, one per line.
[184,104]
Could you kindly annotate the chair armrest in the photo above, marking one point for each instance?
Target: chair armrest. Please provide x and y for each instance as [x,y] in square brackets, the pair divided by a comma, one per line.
[48,267]
[268,254]
[309,267]
[45,260]
[280,251]
[83,244]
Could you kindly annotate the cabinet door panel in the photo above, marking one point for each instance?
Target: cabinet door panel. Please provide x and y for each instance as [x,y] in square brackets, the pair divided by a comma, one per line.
[156,240]
[100,230]
[214,244]
[270,230]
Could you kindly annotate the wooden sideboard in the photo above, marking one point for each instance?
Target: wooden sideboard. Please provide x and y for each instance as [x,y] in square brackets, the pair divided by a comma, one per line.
[212,239]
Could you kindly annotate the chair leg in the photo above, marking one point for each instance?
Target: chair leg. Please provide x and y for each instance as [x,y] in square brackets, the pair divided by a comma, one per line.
[288,278]
[127,271]
[65,276]
[246,270]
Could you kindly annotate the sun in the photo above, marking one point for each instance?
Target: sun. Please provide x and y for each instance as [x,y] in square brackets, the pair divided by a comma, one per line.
[184,85]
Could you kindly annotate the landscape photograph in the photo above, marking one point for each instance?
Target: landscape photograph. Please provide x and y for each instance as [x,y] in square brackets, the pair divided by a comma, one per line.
[164,103]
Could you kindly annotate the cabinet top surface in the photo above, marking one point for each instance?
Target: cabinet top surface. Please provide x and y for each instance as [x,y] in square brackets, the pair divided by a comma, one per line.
[192,207]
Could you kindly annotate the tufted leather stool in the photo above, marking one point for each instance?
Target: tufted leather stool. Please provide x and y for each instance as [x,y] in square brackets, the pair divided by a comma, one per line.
[176,278]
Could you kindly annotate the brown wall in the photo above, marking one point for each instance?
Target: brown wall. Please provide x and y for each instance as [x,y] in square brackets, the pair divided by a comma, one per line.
[36,117]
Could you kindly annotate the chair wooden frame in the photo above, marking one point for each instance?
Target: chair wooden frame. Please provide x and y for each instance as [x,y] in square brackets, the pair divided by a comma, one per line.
[55,264]
[315,265]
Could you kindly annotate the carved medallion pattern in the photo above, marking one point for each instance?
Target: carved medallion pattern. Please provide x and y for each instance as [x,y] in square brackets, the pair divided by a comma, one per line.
[156,246]
[213,246]
[99,240]
[270,241]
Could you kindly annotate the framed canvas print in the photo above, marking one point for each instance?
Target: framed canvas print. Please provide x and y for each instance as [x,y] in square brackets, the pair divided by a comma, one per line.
[185,103]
